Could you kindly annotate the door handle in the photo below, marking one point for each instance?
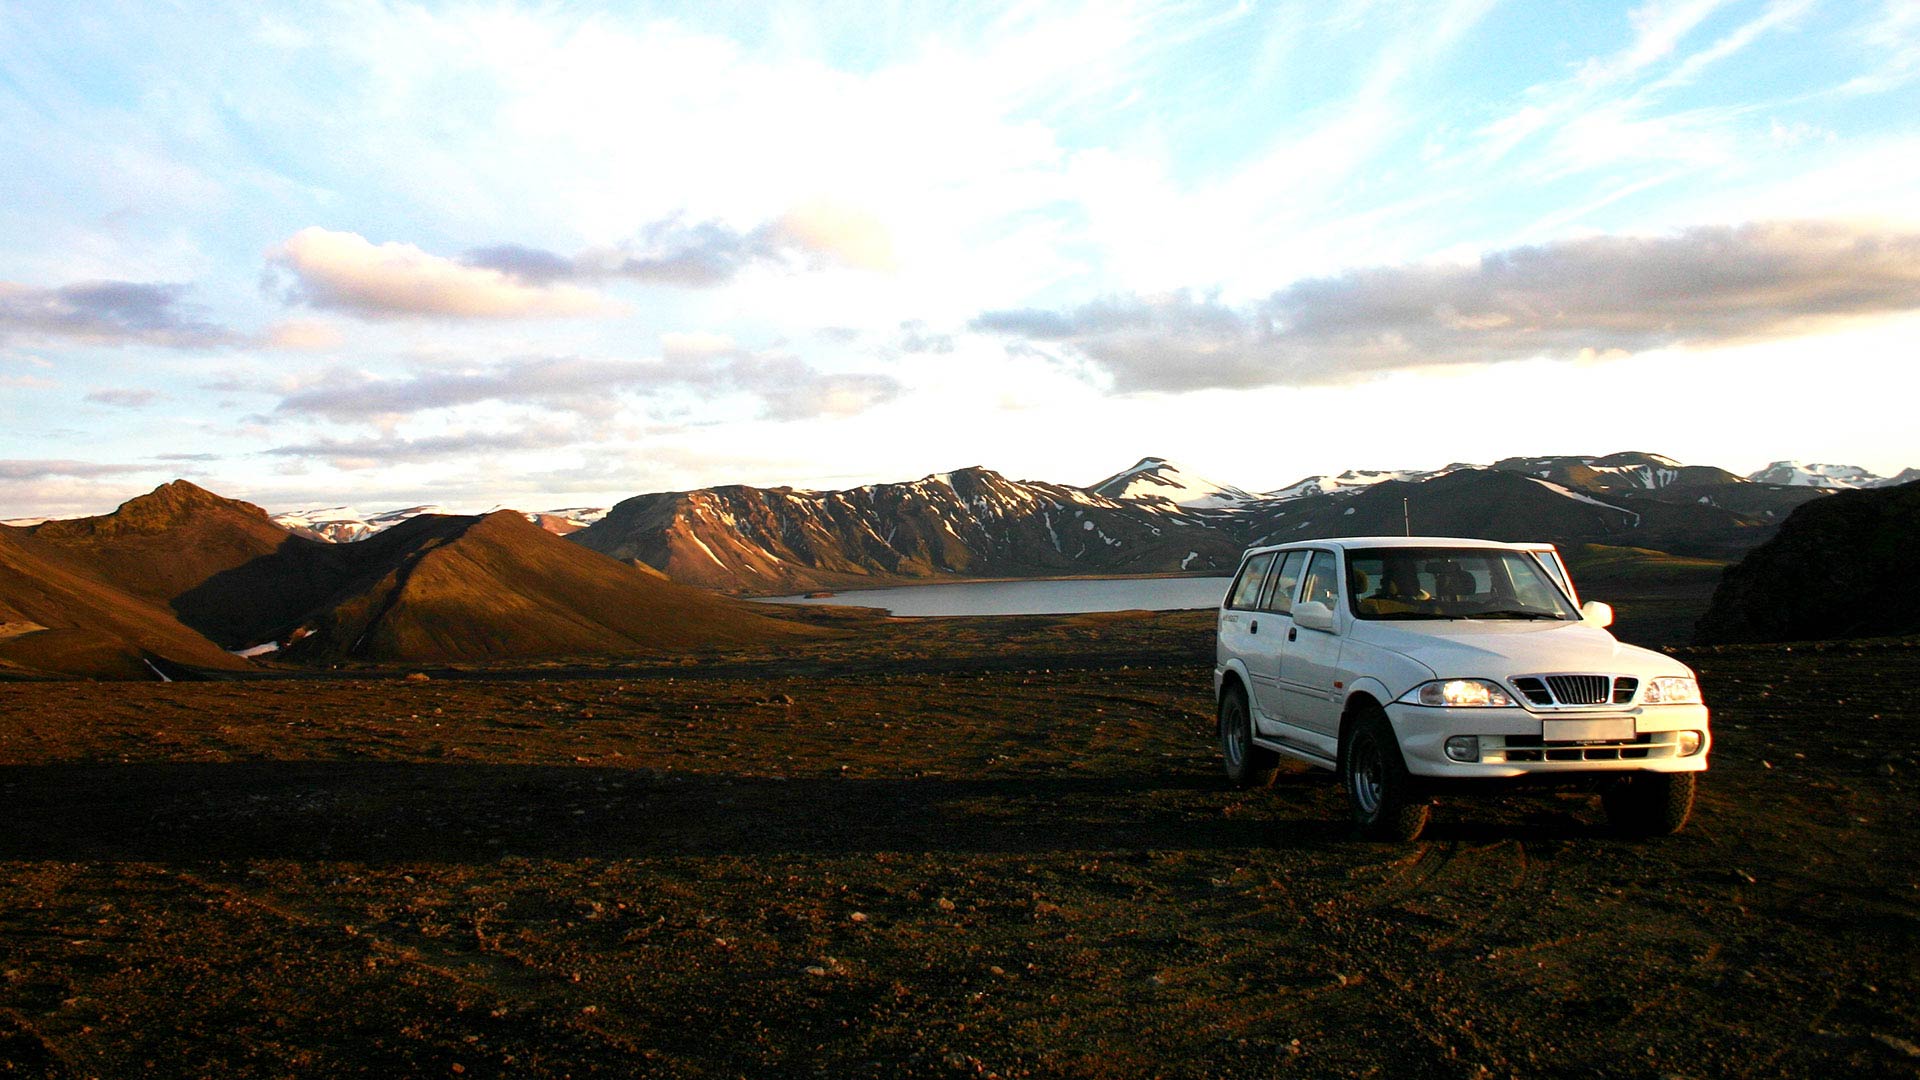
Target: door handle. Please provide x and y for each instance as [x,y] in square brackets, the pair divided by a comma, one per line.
[1293,633]
[1256,627]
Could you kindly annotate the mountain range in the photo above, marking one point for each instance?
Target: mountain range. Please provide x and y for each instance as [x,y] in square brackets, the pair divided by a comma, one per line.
[182,579]
[1158,518]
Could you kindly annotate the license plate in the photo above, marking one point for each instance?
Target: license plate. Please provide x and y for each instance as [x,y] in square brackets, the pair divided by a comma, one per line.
[1612,730]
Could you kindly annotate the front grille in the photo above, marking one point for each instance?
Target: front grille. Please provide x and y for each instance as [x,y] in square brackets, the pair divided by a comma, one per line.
[1534,689]
[1532,749]
[1562,691]
[1580,689]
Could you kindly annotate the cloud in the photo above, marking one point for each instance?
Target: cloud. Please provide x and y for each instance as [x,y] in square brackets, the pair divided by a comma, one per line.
[1705,286]
[124,398]
[343,271]
[916,338]
[787,387]
[531,266]
[109,312]
[42,469]
[704,254]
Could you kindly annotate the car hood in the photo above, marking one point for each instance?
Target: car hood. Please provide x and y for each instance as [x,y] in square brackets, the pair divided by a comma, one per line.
[1500,649]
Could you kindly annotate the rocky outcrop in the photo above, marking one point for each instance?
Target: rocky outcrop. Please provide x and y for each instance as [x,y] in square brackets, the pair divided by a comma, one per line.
[1841,567]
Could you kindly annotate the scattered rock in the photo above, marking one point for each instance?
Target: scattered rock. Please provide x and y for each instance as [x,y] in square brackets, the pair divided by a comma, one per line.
[1897,1044]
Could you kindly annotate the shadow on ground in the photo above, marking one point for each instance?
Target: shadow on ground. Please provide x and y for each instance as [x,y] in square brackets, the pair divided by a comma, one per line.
[410,811]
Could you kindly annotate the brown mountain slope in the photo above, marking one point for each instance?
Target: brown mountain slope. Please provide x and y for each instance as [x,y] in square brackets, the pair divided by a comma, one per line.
[463,589]
[221,565]
[59,619]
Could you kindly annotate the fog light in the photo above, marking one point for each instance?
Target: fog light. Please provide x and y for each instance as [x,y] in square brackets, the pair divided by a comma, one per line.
[1689,743]
[1467,748]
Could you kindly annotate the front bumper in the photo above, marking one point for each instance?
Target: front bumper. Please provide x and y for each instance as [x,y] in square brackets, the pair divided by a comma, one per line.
[1517,742]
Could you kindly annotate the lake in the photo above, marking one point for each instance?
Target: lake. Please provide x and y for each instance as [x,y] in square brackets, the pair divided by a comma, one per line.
[1032,597]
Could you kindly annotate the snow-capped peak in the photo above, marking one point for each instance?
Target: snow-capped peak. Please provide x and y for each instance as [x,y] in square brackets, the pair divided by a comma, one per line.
[1795,474]
[1158,478]
[1351,481]
[345,524]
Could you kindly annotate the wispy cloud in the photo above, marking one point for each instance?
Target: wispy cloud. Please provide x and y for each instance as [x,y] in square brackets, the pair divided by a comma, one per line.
[787,387]
[1590,297]
[302,335]
[123,397]
[45,468]
[109,312]
[371,453]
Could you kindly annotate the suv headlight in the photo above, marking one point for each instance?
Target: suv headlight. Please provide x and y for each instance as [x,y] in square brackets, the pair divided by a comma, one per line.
[1671,690]
[1458,694]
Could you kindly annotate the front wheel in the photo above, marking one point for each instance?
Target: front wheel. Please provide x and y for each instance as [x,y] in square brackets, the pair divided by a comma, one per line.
[1380,791]
[1650,804]
[1247,765]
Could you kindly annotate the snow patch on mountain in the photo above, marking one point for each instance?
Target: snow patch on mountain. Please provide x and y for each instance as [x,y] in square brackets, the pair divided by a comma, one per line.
[1588,499]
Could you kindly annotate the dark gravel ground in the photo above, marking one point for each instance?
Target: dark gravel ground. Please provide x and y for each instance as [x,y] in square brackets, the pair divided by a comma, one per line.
[855,869]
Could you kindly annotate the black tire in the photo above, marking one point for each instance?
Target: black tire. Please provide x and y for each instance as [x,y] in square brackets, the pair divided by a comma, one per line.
[1385,802]
[1247,765]
[1650,804]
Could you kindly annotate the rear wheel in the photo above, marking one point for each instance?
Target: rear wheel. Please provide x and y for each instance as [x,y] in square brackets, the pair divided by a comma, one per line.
[1247,765]
[1650,804]
[1380,791]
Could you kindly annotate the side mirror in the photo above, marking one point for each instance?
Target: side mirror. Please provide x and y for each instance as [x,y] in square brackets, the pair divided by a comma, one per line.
[1597,613]
[1313,615]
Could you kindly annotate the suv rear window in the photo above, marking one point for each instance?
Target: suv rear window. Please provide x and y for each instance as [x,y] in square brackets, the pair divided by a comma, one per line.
[1284,583]
[1245,593]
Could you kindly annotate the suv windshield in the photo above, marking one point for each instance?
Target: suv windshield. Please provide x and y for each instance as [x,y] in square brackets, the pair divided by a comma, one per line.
[1452,583]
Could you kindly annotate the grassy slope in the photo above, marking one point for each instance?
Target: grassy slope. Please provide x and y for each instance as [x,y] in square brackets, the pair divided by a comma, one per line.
[1656,596]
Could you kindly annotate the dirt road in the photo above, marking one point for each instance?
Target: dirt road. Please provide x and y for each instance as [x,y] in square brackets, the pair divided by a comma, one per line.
[915,873]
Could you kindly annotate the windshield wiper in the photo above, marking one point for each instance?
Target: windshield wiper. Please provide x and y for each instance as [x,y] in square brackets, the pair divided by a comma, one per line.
[1514,613]
[1410,615]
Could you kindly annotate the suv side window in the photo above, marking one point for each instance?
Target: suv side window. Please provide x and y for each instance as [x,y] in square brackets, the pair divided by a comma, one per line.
[1246,588]
[1284,583]
[1323,580]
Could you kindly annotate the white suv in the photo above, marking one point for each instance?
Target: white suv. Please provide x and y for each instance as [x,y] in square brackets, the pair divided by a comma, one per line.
[1417,665]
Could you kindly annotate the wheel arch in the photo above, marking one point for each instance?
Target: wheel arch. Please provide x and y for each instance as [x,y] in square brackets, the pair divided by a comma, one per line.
[1366,695]
[1232,678]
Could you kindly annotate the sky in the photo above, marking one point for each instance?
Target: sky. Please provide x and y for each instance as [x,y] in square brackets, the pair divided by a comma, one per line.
[547,256]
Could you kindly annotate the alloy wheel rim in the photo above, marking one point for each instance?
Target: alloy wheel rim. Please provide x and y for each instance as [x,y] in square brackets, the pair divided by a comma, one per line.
[1236,735]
